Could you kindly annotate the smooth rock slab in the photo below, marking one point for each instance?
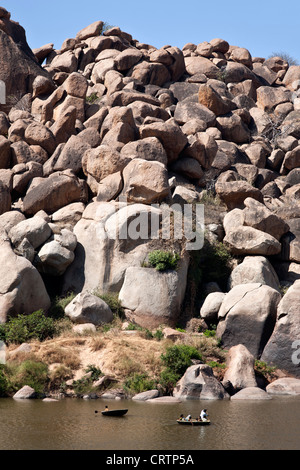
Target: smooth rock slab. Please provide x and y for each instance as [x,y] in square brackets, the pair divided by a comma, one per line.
[211,306]
[53,258]
[164,400]
[254,269]
[251,393]
[250,241]
[52,193]
[284,386]
[145,181]
[148,395]
[25,392]
[36,230]
[153,298]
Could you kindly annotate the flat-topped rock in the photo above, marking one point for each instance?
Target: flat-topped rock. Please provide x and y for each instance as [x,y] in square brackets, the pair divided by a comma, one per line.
[251,393]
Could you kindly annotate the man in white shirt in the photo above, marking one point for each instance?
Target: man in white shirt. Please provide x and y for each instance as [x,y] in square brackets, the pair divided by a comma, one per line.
[203,415]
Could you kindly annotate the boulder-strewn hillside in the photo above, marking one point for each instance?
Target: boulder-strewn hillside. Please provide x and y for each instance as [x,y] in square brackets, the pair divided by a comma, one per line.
[106,119]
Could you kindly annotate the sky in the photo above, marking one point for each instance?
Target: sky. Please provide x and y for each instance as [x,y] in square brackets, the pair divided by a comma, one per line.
[263,27]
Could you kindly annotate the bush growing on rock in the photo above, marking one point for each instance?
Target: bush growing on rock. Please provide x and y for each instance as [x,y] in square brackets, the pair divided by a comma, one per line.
[163,260]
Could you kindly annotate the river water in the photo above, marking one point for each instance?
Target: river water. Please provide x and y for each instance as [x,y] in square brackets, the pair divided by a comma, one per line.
[72,424]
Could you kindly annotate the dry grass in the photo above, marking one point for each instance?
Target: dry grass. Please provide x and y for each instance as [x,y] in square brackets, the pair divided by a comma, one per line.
[96,343]
[65,351]
[114,352]
[122,356]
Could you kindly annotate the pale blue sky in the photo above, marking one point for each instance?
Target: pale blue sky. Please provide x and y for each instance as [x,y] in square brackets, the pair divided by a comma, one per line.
[261,26]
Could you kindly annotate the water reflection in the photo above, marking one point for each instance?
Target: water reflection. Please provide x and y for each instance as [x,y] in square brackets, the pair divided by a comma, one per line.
[73,425]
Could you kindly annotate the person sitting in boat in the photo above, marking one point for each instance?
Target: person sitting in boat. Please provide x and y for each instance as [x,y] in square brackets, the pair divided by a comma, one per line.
[181,417]
[203,415]
[188,418]
[106,408]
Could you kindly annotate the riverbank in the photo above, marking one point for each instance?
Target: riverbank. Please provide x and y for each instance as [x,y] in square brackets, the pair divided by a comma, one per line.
[119,356]
[122,360]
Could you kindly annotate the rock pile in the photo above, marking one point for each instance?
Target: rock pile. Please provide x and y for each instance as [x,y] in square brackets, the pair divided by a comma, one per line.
[106,118]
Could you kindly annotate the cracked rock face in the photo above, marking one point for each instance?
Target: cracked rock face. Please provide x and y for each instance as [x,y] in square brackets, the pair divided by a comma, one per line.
[282,348]
[199,382]
[22,288]
[247,316]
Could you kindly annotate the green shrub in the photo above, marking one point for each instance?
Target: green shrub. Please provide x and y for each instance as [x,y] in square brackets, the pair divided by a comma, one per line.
[58,378]
[168,380]
[148,334]
[139,383]
[106,27]
[176,359]
[24,328]
[95,372]
[209,333]
[3,383]
[179,357]
[264,369]
[82,386]
[133,327]
[216,364]
[158,335]
[92,98]
[163,260]
[29,372]
[112,300]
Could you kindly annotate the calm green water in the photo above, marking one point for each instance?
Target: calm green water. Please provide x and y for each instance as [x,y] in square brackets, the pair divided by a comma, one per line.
[72,424]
